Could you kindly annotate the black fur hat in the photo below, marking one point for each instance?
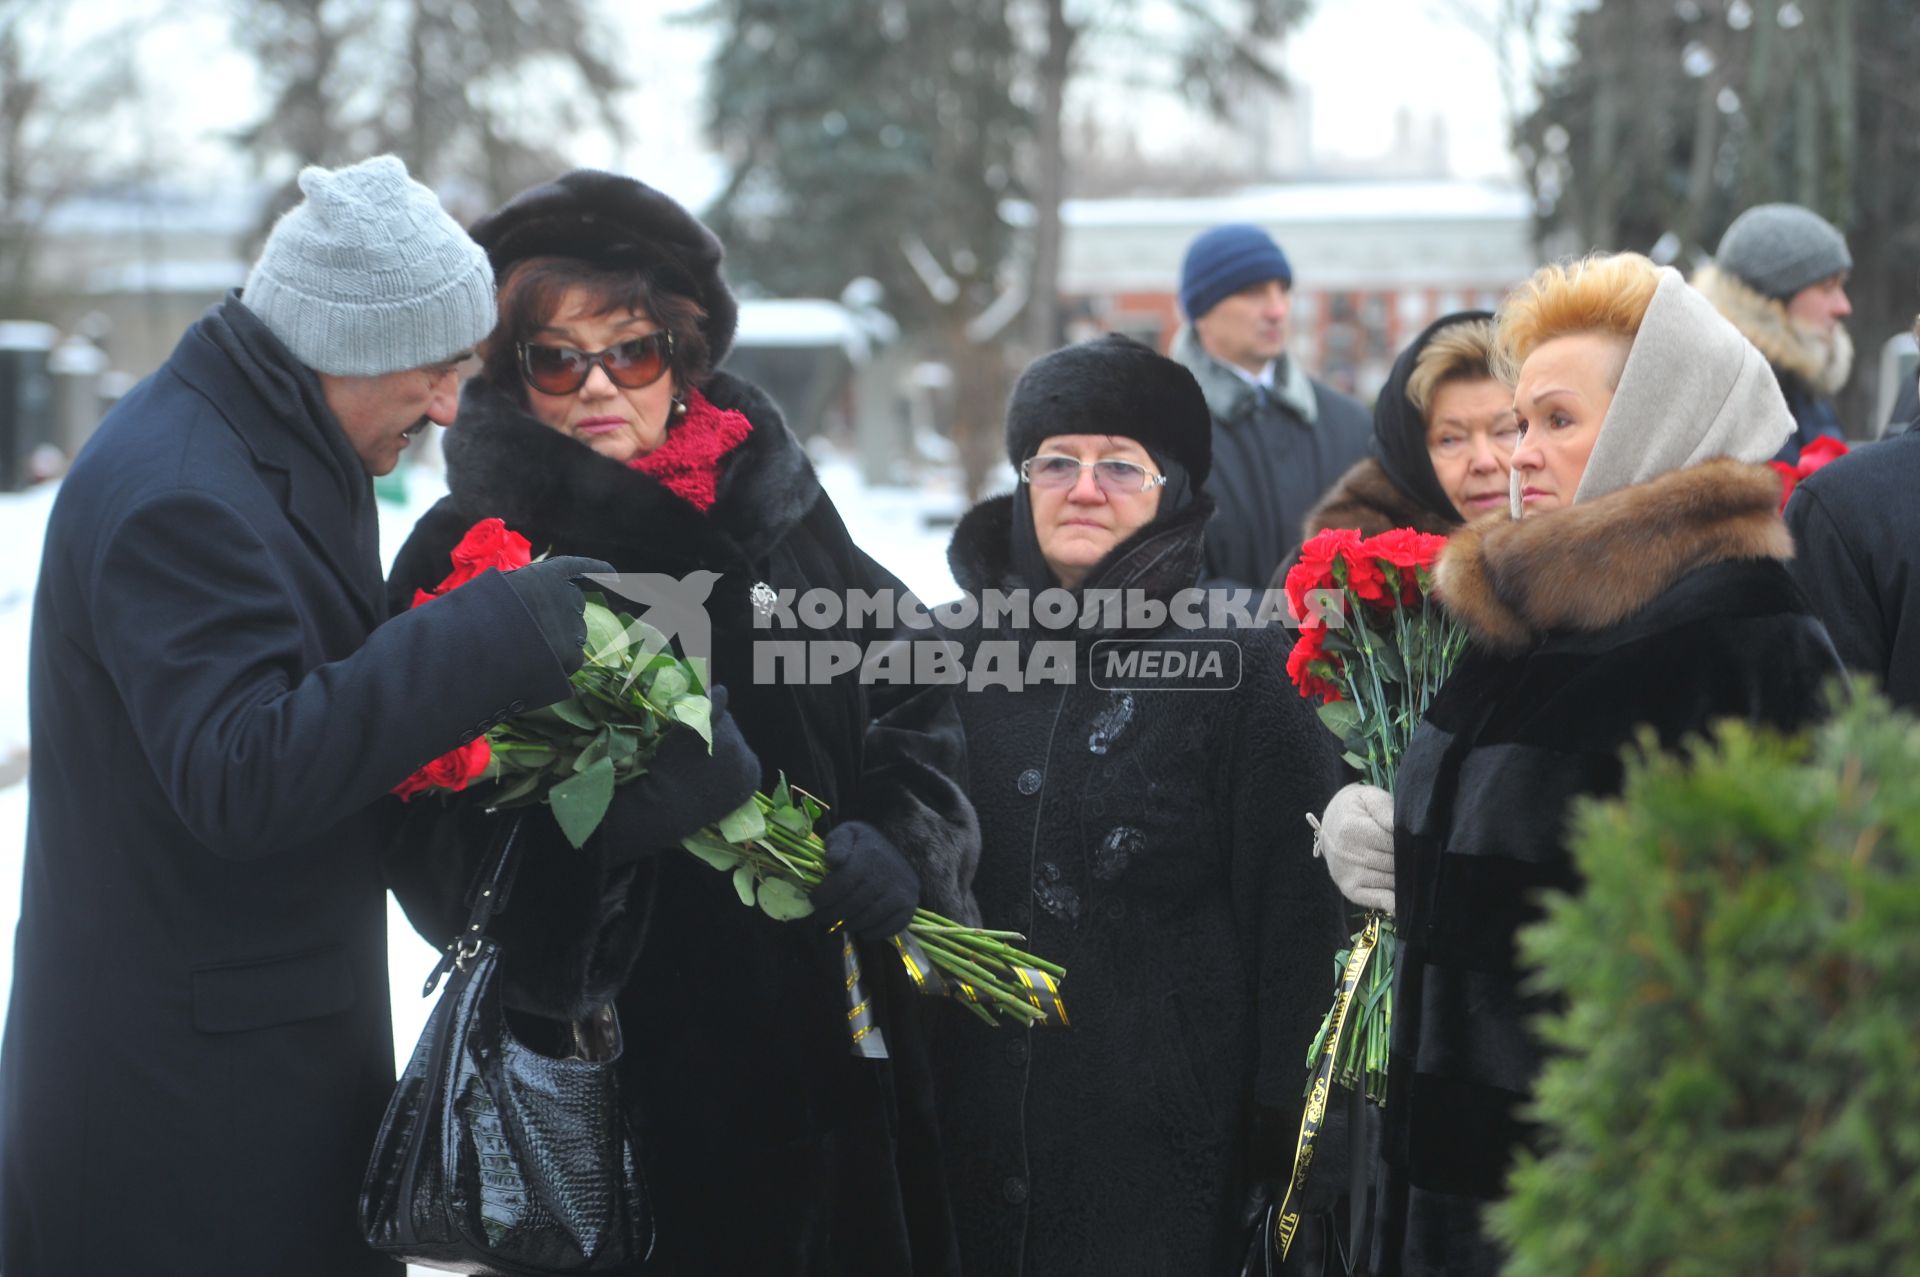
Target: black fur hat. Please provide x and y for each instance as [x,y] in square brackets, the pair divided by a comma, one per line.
[1112,386]
[615,221]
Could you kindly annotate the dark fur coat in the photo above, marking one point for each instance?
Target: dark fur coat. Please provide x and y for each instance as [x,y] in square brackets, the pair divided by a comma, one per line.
[1154,842]
[1366,499]
[1666,605]
[770,1148]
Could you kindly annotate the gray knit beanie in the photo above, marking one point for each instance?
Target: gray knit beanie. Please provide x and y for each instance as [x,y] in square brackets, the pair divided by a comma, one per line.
[1778,249]
[369,275]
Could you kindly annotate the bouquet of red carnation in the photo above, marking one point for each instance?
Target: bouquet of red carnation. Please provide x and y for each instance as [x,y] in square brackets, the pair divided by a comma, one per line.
[631,691]
[1374,672]
[1812,457]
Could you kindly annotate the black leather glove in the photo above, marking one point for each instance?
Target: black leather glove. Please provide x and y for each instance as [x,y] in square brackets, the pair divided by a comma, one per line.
[547,590]
[684,789]
[869,884]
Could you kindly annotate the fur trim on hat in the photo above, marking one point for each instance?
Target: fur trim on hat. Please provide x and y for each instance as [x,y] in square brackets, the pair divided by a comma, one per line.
[1591,566]
[1823,362]
[1112,386]
[616,222]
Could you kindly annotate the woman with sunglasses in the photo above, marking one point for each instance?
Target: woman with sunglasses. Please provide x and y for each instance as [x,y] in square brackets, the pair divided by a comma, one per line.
[599,420]
[1146,833]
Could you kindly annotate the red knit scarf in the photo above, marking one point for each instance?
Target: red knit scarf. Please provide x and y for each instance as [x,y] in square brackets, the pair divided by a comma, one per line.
[688,459]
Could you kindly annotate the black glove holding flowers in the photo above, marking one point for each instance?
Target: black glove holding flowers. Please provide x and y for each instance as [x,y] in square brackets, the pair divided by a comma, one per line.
[683,790]
[869,884]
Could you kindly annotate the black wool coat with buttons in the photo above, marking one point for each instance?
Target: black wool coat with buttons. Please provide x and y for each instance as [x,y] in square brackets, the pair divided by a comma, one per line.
[198,1046]
[1154,842]
[769,1148]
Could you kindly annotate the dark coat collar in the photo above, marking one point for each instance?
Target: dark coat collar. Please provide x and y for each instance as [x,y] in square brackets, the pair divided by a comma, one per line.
[1595,565]
[1160,559]
[503,461]
[276,407]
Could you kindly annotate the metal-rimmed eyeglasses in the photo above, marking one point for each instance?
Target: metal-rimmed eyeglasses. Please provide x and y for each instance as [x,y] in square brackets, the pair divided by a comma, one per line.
[1110,474]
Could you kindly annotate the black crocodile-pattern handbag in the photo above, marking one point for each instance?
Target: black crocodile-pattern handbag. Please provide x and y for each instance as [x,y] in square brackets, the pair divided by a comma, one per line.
[494,1157]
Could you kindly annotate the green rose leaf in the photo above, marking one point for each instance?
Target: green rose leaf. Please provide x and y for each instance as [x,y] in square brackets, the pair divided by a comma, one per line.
[712,850]
[696,712]
[575,713]
[743,883]
[669,685]
[580,802]
[597,750]
[743,824]
[783,901]
[792,818]
[606,635]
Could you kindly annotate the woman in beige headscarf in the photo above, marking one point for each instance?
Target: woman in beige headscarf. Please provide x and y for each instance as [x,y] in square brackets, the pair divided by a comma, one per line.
[1639,580]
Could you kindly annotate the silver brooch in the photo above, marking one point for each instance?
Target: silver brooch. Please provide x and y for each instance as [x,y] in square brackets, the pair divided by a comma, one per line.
[763,598]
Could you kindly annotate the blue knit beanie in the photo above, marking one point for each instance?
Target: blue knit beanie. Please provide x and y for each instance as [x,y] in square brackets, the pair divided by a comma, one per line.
[1225,260]
[369,275]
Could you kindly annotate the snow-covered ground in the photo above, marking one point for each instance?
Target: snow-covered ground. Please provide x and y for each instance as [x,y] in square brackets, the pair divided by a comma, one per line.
[906,529]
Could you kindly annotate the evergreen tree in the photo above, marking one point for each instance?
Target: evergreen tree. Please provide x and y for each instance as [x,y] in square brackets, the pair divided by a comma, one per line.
[1670,117]
[1735,1089]
[481,91]
[878,140]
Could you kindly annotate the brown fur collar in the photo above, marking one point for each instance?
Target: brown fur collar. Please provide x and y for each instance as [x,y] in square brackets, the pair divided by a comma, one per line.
[1366,499]
[1824,363]
[1594,565]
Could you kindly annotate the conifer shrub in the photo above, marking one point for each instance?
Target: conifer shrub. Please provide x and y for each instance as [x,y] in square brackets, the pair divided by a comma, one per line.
[1736,1081]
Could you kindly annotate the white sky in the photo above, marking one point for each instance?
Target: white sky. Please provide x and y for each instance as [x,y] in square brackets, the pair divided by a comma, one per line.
[1361,61]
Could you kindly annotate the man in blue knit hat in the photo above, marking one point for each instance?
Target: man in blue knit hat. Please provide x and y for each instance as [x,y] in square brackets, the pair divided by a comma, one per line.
[198,1047]
[1280,438]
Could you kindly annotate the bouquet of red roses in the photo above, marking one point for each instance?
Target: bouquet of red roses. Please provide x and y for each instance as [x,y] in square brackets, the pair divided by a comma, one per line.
[628,693]
[1374,675]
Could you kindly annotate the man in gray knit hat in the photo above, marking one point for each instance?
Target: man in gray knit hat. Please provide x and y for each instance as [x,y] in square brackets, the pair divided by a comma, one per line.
[198,1047]
[1780,276]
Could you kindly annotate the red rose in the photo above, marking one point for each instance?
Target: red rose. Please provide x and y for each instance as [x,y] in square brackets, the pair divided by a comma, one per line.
[1819,452]
[490,544]
[1314,571]
[1789,480]
[487,544]
[452,771]
[1312,668]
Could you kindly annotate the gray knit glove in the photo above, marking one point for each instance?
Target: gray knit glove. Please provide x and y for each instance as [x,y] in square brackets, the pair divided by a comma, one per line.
[1356,836]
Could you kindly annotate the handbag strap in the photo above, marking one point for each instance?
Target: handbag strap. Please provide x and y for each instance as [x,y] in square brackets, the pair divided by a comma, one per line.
[490,886]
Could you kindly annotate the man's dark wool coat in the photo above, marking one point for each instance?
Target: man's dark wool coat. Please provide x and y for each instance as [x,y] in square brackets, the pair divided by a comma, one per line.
[1155,843]
[1275,454]
[198,1047]
[1664,605]
[769,1147]
[1856,533]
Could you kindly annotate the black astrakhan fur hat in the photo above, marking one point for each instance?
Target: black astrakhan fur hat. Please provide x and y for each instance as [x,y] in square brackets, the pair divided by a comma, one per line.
[1112,386]
[616,222]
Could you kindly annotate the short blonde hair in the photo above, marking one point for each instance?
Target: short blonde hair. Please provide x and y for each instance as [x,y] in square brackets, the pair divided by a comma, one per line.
[1602,293]
[1458,352]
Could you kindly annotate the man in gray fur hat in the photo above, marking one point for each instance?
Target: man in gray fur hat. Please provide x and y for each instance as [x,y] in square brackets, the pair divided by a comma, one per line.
[198,1048]
[1780,276]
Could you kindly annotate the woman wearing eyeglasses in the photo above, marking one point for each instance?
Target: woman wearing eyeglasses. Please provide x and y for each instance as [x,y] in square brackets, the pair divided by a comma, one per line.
[599,421]
[1143,829]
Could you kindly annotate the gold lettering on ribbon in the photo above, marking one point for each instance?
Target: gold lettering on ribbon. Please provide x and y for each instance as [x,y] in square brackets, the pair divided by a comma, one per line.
[1288,1221]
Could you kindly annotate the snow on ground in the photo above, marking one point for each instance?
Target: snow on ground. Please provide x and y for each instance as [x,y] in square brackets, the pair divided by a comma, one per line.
[906,529]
